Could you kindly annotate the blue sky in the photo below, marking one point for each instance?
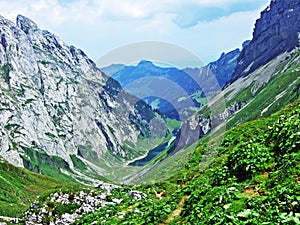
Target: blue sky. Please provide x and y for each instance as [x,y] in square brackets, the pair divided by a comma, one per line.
[204,27]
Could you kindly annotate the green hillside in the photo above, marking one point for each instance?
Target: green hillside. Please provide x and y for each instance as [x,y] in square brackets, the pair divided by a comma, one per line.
[254,179]
[282,89]
[262,93]
[19,187]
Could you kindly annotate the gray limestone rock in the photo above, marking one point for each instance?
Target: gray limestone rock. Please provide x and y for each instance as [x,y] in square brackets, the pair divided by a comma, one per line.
[55,100]
[277,31]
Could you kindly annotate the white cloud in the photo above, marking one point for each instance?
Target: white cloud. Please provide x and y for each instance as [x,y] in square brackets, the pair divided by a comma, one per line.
[97,26]
[55,11]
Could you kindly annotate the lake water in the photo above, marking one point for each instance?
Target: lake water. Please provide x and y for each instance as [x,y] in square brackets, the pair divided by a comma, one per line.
[152,153]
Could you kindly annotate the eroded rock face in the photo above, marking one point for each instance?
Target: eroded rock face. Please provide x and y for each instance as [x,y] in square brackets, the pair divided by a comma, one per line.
[199,125]
[191,130]
[276,32]
[53,98]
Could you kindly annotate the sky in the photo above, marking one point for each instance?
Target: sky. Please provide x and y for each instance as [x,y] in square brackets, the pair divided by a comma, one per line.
[205,28]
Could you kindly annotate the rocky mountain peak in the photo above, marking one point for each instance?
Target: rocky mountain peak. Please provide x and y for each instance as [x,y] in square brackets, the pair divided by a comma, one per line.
[56,102]
[25,24]
[4,21]
[276,31]
[145,64]
[245,43]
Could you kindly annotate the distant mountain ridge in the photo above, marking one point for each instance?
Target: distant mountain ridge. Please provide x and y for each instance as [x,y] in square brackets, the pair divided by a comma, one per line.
[158,86]
[112,69]
[192,84]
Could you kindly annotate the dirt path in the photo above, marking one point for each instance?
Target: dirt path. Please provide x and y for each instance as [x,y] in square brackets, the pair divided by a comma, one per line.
[175,212]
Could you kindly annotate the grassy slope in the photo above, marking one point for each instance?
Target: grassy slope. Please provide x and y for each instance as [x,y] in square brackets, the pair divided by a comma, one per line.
[281,90]
[19,187]
[254,179]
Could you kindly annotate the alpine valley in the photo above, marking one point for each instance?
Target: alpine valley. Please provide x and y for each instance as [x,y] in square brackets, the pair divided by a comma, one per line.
[60,114]
[78,149]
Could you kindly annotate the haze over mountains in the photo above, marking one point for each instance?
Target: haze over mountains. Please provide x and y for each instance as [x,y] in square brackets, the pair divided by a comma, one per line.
[187,90]
[229,160]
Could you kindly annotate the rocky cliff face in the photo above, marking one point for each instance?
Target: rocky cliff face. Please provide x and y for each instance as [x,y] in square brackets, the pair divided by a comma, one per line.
[277,31]
[199,125]
[275,41]
[54,99]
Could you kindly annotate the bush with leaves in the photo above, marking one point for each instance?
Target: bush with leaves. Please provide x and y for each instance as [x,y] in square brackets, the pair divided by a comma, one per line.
[284,135]
[247,159]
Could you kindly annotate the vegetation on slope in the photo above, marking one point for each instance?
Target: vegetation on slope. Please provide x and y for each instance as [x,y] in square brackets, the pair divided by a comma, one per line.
[282,89]
[255,179]
[19,187]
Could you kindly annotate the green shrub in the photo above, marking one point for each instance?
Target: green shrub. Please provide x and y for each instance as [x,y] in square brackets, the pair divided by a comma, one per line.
[284,135]
[61,209]
[247,159]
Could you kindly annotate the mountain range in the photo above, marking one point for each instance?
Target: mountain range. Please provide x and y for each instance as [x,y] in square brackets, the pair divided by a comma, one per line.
[59,110]
[260,88]
[187,90]
[235,160]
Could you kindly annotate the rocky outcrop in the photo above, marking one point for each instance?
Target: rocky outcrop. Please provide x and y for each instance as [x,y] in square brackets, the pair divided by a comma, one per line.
[229,111]
[191,130]
[277,31]
[199,125]
[64,207]
[55,100]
